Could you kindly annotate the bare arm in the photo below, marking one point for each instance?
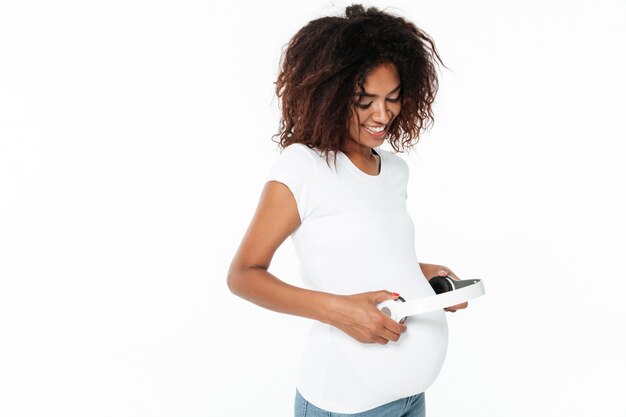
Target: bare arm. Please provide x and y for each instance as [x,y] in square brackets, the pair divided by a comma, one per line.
[275,219]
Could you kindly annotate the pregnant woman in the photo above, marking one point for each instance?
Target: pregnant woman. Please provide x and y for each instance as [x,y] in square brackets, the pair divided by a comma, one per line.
[346,85]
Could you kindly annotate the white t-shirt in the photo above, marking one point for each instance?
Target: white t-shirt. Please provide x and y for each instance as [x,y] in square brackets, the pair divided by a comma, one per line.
[356,236]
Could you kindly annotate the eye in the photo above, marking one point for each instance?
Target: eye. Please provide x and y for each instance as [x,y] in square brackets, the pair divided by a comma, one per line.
[365,106]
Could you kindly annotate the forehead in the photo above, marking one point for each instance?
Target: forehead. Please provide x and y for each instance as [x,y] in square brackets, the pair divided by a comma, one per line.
[381,80]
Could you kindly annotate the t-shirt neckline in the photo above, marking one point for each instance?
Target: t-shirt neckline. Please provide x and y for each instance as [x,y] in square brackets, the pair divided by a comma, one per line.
[348,163]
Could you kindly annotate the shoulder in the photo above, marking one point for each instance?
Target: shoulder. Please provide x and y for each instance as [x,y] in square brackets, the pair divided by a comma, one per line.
[297,149]
[296,168]
[303,156]
[296,160]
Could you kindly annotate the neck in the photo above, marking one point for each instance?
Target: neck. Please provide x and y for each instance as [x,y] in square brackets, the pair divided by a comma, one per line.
[356,150]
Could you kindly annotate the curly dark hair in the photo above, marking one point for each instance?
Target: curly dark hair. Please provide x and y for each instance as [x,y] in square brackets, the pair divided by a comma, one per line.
[326,60]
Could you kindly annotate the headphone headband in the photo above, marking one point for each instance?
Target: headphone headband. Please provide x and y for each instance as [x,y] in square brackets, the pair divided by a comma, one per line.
[448,291]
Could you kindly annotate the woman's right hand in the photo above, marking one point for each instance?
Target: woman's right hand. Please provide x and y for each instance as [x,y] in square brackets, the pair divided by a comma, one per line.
[358,316]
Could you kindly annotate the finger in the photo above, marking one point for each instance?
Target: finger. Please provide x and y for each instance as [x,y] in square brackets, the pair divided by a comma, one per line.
[382,295]
[389,335]
[394,327]
[443,272]
[453,275]
[381,340]
[456,307]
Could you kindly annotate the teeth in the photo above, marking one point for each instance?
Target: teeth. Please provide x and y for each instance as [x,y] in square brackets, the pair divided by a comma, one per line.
[375,129]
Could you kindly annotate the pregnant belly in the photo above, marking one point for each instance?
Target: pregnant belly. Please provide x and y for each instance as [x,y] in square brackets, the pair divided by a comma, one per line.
[352,371]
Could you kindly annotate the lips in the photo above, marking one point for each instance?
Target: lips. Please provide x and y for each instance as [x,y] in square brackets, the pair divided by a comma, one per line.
[375,134]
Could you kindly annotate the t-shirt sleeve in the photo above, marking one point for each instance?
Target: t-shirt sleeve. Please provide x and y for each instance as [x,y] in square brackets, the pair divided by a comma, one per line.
[295,167]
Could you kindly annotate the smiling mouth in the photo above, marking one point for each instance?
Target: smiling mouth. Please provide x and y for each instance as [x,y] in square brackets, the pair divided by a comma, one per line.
[378,131]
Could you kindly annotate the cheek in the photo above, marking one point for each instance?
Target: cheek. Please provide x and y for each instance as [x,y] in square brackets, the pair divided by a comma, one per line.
[354,120]
[396,110]
[355,125]
[362,115]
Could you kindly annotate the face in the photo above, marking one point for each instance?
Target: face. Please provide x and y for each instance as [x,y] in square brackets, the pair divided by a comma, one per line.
[378,107]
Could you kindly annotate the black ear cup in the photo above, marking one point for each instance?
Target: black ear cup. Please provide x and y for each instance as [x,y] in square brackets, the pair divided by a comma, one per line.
[445,284]
[440,284]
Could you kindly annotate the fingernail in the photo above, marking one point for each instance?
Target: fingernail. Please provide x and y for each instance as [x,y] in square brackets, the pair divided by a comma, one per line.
[395,294]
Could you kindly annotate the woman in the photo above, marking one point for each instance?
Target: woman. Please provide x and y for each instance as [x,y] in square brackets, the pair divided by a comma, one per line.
[346,85]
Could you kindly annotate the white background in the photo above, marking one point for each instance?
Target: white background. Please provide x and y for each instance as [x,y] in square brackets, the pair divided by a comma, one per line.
[134,141]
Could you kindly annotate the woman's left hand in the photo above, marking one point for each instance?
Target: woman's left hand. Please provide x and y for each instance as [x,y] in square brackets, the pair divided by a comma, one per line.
[442,271]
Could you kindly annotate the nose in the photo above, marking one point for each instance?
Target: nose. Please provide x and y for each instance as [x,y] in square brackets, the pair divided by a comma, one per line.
[382,114]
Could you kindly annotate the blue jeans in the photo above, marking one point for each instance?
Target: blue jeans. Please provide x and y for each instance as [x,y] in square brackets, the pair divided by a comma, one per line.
[413,406]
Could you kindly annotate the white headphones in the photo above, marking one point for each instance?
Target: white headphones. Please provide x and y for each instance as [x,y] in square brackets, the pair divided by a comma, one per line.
[448,292]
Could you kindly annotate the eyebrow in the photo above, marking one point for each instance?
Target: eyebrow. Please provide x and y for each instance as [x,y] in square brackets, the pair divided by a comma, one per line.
[365,94]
